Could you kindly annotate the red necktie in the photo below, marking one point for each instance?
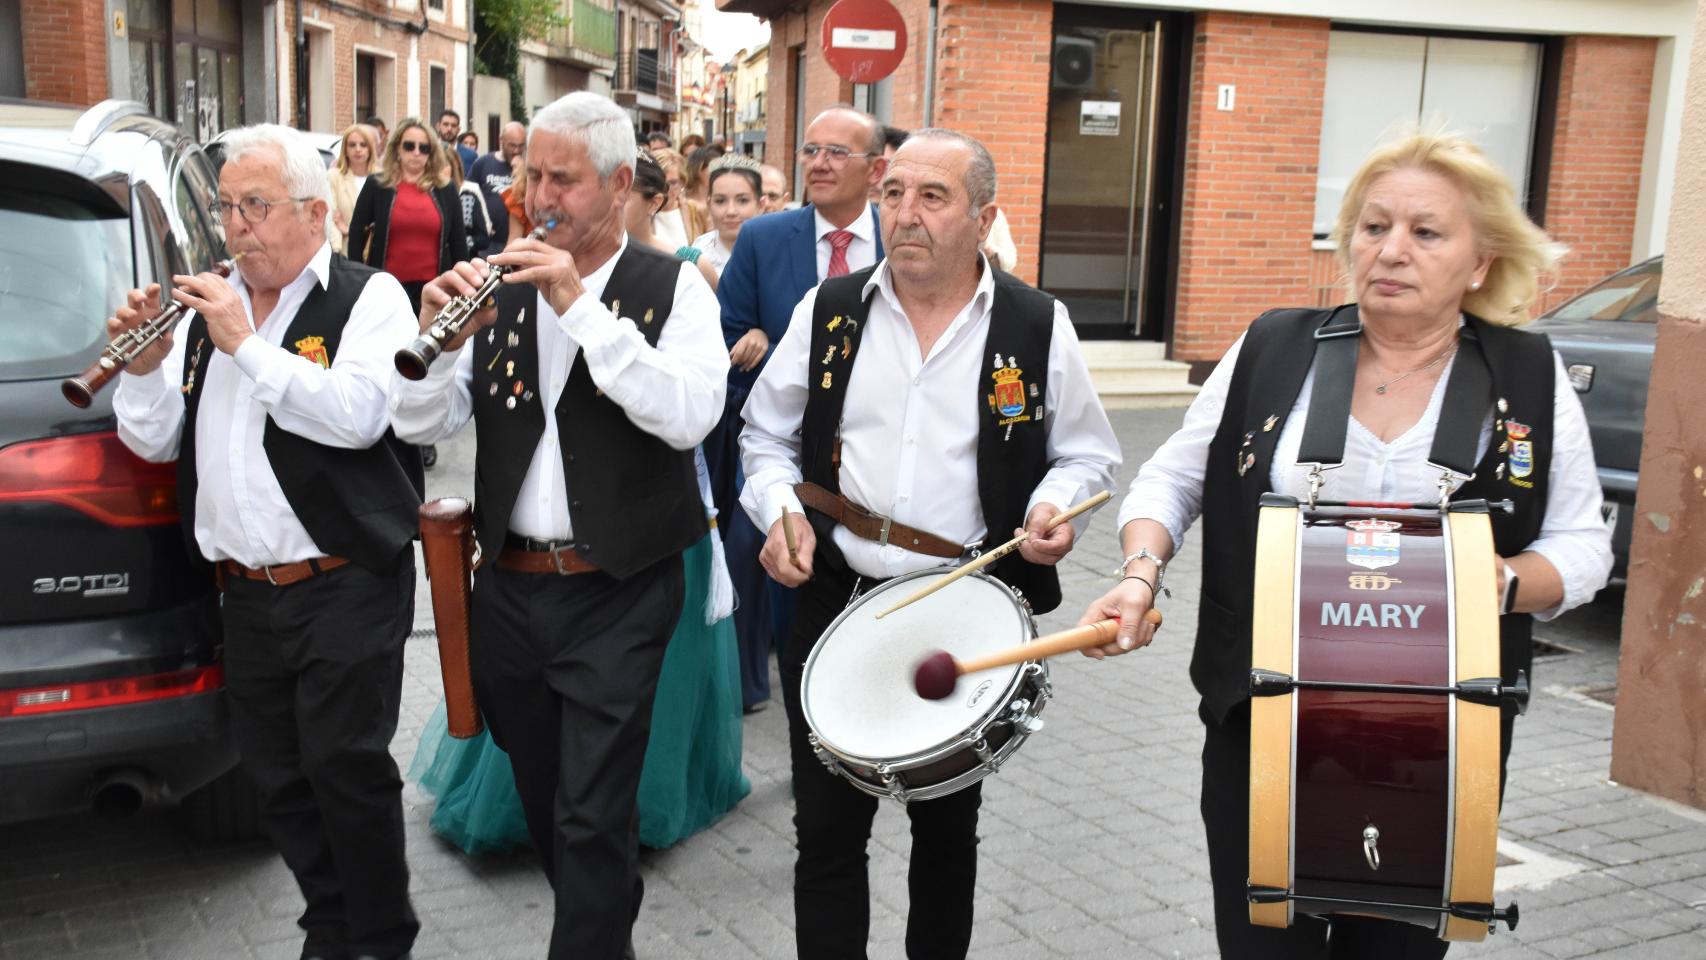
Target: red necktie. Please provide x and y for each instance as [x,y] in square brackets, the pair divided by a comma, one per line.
[838,241]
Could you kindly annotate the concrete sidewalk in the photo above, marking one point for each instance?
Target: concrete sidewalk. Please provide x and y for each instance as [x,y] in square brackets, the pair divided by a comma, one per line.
[1092,845]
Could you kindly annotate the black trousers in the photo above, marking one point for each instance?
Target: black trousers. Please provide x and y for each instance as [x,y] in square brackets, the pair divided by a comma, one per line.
[1226,816]
[315,673]
[565,669]
[832,824]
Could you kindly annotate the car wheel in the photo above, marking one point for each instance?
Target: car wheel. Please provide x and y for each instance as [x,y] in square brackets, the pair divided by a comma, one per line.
[227,810]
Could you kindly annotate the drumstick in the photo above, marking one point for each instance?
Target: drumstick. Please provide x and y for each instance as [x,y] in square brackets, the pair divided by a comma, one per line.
[788,532]
[936,674]
[999,552]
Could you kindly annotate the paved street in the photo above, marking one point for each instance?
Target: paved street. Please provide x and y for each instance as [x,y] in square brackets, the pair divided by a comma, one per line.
[1092,845]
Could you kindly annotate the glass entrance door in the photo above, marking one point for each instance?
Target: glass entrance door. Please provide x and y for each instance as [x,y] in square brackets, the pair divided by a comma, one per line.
[1102,210]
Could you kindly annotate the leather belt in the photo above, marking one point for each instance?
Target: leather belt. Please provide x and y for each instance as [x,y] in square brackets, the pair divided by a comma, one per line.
[532,555]
[874,526]
[282,574]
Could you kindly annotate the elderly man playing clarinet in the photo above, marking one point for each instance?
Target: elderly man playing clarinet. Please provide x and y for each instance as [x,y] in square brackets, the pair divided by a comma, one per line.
[590,383]
[272,399]
[878,396]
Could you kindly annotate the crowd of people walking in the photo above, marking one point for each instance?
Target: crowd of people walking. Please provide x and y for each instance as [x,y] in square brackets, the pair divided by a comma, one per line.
[682,473]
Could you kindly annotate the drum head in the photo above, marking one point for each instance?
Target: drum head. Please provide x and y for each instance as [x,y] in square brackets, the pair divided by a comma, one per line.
[858,693]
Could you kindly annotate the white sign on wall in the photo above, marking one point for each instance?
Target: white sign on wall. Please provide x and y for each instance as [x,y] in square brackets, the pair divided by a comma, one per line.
[1099,118]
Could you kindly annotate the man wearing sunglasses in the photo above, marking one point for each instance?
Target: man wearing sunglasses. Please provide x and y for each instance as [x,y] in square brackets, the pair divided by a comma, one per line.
[272,399]
[776,259]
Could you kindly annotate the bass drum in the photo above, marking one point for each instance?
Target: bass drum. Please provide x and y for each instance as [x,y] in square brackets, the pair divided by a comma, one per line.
[1374,747]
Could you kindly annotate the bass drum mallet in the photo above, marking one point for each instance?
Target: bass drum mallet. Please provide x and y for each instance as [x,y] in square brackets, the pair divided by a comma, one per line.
[939,673]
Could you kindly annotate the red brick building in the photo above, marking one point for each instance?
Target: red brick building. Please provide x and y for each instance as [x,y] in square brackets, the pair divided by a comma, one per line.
[1170,168]
[215,64]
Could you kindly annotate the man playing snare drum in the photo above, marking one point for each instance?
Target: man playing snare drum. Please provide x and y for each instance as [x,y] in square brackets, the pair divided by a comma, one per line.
[969,412]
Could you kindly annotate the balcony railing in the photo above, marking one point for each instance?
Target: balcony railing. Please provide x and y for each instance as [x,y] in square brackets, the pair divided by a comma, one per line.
[591,29]
[640,71]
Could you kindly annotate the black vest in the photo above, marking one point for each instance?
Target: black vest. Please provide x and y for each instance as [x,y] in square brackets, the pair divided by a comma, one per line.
[633,499]
[1012,443]
[1278,350]
[362,505]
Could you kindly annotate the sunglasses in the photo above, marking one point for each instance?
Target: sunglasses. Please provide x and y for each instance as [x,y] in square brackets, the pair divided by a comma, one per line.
[414,146]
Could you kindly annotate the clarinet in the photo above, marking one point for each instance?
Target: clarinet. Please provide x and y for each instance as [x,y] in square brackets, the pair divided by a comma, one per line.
[413,360]
[127,346]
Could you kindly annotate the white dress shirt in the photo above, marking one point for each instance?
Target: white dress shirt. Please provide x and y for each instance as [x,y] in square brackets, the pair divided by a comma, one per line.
[861,252]
[673,391]
[1168,489]
[240,510]
[910,427]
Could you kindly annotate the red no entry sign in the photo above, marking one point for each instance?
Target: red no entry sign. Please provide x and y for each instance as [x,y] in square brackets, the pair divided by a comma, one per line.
[864,40]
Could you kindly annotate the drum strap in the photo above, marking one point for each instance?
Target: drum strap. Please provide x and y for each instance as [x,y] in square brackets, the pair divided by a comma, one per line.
[1330,402]
[1468,394]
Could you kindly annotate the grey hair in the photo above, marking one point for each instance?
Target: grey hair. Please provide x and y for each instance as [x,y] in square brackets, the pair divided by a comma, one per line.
[595,121]
[980,173]
[304,170]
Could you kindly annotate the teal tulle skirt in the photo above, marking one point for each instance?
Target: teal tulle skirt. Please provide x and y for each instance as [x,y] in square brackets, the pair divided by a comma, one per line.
[692,772]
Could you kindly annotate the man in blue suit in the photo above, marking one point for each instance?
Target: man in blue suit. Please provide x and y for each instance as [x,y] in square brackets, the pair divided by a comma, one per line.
[777,258]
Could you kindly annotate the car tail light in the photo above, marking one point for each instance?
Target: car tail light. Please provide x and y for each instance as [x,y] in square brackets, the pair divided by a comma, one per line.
[59,698]
[94,473]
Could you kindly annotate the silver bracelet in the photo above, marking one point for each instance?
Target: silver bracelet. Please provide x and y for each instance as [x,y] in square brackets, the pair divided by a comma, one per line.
[1144,554]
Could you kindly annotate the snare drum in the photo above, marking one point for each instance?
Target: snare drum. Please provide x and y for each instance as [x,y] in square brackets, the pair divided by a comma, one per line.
[868,723]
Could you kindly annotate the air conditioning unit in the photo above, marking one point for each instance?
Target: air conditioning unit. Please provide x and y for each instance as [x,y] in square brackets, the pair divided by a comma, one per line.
[1074,63]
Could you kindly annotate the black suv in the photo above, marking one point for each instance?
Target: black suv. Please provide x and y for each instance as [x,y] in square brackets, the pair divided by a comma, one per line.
[111,685]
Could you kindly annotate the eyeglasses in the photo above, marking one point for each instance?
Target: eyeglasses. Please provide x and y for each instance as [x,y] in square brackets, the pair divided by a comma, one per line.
[254,209]
[836,153]
[414,146]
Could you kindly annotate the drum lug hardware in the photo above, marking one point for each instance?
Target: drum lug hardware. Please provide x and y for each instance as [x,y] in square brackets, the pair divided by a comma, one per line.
[1260,894]
[1371,846]
[1269,683]
[1493,692]
[1022,718]
[1486,911]
[891,783]
[1019,595]
[823,756]
[980,746]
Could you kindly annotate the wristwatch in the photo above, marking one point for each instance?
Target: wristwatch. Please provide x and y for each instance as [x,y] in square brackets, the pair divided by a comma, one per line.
[1508,600]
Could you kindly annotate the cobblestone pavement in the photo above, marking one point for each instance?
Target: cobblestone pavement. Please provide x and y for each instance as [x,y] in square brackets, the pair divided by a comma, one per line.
[1092,846]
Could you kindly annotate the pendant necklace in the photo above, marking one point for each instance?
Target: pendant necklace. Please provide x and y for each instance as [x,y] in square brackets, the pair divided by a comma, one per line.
[1448,351]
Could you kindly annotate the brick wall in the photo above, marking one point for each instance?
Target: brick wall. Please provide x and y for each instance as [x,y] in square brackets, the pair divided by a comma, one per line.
[65,52]
[1605,84]
[387,32]
[993,83]
[1249,191]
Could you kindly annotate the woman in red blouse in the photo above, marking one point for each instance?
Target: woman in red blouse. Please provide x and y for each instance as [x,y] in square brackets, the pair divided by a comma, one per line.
[408,220]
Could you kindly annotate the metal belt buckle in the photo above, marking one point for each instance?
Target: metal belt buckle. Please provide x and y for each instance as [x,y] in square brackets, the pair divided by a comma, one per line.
[883,535]
[557,559]
[268,572]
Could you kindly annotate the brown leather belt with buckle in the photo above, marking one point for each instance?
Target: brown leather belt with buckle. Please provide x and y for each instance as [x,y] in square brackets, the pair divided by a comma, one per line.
[874,526]
[531,555]
[282,574]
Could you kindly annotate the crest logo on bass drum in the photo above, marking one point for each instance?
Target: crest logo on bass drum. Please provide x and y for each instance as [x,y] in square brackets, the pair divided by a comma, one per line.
[1371,543]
